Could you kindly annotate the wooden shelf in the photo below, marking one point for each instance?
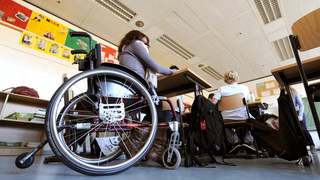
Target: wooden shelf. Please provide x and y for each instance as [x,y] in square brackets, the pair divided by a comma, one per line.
[13,130]
[20,121]
[15,147]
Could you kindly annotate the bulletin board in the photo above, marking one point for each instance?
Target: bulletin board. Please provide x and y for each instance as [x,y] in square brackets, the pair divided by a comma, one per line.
[268,88]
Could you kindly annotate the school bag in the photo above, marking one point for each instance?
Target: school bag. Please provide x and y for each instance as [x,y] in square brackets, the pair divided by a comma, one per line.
[288,142]
[206,130]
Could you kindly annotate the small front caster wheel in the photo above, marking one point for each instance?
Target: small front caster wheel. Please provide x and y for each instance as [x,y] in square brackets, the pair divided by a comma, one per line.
[27,163]
[175,159]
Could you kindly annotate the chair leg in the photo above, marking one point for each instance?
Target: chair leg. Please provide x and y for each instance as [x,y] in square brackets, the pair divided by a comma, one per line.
[256,147]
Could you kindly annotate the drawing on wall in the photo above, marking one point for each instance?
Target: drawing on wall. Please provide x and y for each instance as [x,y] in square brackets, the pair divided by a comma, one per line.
[27,39]
[108,54]
[49,35]
[22,16]
[66,54]
[48,28]
[53,49]
[78,43]
[14,13]
[77,57]
[82,44]
[1,14]
[41,44]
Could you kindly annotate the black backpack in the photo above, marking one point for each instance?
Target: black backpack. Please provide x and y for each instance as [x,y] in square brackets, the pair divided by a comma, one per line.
[288,142]
[206,129]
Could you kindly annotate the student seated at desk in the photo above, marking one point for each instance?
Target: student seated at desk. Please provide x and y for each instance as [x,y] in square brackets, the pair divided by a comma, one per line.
[232,88]
[134,53]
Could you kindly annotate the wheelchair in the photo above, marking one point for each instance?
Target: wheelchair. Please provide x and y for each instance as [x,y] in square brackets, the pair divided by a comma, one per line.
[108,104]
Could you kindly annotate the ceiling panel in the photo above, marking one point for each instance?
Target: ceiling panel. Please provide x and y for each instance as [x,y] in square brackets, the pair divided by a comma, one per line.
[222,34]
[188,15]
[240,30]
[107,29]
[208,12]
[206,46]
[254,49]
[262,66]
[172,32]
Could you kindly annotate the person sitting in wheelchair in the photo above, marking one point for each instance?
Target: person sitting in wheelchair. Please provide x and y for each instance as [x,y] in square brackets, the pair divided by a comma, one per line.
[134,53]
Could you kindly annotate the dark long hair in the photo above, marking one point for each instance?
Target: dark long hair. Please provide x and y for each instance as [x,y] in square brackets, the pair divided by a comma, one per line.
[130,37]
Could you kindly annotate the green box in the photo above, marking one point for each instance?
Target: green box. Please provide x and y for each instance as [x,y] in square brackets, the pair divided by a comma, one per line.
[23,115]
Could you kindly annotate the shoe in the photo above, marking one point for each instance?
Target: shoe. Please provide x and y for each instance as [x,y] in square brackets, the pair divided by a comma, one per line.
[158,146]
[249,148]
[313,150]
[235,148]
[306,160]
[131,145]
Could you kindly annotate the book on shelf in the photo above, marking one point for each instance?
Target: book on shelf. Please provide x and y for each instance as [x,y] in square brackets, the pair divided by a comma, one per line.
[32,144]
[273,122]
[40,114]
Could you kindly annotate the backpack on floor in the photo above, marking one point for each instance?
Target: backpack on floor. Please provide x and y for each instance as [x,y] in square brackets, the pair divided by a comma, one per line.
[206,129]
[288,142]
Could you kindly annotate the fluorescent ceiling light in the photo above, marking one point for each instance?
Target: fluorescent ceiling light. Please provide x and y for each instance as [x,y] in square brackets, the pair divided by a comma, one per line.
[175,47]
[117,8]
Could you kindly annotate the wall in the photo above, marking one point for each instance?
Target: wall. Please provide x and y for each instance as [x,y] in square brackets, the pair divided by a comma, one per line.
[23,66]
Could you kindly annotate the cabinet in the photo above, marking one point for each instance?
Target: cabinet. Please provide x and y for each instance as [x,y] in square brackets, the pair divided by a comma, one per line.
[12,130]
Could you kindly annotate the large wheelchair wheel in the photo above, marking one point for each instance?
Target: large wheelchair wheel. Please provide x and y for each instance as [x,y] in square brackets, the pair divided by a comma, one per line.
[86,131]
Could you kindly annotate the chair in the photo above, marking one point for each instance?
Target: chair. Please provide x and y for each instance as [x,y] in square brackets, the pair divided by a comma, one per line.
[234,102]
[306,36]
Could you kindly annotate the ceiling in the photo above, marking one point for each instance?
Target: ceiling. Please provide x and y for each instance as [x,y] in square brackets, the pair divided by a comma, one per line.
[222,34]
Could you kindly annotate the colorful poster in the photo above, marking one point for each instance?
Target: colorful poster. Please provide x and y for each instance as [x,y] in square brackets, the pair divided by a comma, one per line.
[53,49]
[79,43]
[41,44]
[14,13]
[77,57]
[66,54]
[108,54]
[27,39]
[48,28]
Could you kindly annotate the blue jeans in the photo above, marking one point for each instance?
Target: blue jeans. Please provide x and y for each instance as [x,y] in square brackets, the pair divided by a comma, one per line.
[168,116]
[232,135]
[305,130]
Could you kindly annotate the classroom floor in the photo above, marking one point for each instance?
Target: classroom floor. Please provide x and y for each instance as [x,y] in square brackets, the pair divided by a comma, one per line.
[261,168]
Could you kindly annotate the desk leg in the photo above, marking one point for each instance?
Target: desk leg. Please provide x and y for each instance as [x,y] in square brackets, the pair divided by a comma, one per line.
[196,90]
[303,76]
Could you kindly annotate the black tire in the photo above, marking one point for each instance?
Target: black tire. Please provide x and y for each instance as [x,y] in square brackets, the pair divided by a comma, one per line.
[109,112]
[26,163]
[175,160]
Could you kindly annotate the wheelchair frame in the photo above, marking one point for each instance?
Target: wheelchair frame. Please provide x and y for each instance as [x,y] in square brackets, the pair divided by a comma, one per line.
[110,105]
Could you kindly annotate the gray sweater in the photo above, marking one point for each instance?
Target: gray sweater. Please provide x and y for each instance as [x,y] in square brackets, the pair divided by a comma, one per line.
[136,57]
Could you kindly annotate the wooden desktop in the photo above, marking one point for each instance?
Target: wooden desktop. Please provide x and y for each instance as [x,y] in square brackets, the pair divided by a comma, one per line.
[290,74]
[181,82]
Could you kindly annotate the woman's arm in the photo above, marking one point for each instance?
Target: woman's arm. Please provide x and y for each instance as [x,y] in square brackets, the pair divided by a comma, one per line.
[141,52]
